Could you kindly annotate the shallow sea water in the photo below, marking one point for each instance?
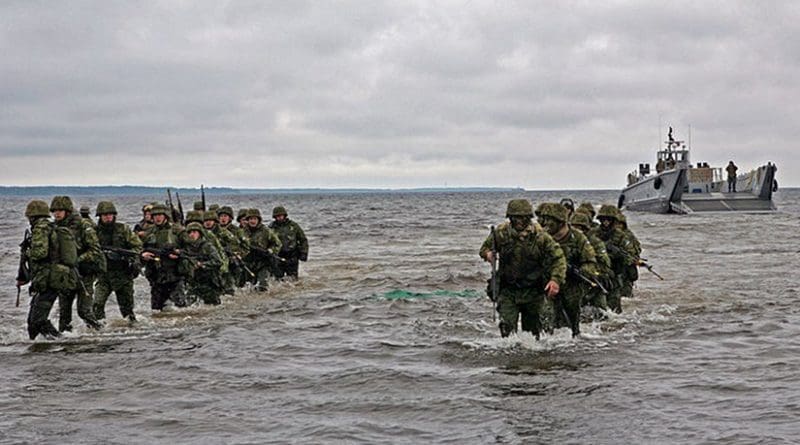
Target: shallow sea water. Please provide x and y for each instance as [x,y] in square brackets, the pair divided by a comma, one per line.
[388,338]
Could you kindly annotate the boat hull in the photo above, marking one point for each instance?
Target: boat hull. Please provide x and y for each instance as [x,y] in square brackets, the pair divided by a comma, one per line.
[653,194]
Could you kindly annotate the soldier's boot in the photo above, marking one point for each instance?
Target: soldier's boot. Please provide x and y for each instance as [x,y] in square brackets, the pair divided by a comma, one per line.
[506,329]
[131,318]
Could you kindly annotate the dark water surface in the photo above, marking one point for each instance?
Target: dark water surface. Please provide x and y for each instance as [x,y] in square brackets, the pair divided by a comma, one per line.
[388,338]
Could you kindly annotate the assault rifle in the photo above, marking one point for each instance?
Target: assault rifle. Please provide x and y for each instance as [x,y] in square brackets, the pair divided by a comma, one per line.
[203,196]
[264,253]
[161,253]
[493,283]
[117,252]
[641,262]
[575,271]
[180,207]
[24,271]
[238,262]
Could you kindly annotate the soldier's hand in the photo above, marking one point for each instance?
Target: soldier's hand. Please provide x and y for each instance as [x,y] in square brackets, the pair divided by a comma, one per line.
[173,256]
[489,257]
[552,289]
[21,283]
[148,256]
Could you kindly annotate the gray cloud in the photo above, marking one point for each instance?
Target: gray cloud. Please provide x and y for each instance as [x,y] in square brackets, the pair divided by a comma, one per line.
[306,94]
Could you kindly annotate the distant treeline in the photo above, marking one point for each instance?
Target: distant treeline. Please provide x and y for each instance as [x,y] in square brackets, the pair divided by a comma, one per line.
[134,190]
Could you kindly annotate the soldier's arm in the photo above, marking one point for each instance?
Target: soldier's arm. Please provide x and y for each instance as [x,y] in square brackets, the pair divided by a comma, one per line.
[93,254]
[588,258]
[274,241]
[302,243]
[133,242]
[554,260]
[211,257]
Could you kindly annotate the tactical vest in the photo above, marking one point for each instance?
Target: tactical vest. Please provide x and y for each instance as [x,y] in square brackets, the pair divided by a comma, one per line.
[64,259]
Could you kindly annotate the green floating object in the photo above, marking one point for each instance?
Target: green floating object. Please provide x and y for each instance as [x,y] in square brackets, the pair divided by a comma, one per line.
[399,294]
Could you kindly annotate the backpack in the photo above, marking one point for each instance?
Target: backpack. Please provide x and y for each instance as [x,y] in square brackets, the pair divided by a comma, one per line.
[64,258]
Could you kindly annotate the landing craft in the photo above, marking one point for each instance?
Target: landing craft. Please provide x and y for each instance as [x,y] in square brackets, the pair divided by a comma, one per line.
[677,186]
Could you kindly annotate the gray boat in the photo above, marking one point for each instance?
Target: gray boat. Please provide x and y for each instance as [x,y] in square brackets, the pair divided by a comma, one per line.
[677,186]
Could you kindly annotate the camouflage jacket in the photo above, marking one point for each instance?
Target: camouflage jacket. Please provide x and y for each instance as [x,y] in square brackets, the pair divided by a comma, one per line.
[201,252]
[600,254]
[528,259]
[38,254]
[579,253]
[142,226]
[294,243]
[119,236]
[620,249]
[242,241]
[91,260]
[262,238]
[157,238]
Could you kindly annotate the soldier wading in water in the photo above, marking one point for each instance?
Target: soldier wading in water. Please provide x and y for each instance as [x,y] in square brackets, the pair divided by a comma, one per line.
[532,266]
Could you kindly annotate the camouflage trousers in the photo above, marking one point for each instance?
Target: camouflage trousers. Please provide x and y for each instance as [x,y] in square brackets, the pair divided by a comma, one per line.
[39,313]
[262,273]
[513,304]
[289,267]
[208,293]
[122,285]
[567,307]
[84,295]
[161,292]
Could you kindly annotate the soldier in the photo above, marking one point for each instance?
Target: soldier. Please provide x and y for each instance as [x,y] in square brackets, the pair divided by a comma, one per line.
[147,221]
[632,272]
[213,208]
[620,250]
[596,297]
[49,275]
[264,246]
[239,251]
[588,209]
[201,263]
[532,265]
[160,257]
[224,242]
[241,218]
[569,205]
[85,211]
[294,245]
[731,169]
[581,264]
[122,249]
[91,262]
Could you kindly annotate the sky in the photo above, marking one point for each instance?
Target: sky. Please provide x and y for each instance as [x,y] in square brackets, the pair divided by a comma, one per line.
[391,94]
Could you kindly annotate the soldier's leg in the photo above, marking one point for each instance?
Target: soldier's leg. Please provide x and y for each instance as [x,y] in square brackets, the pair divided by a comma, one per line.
[572,306]
[101,292]
[123,288]
[177,294]
[508,311]
[262,279]
[158,296]
[532,312]
[86,303]
[65,300]
[291,267]
[38,315]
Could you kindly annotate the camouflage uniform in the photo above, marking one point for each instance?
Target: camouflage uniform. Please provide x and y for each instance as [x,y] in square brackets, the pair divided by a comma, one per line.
[294,244]
[596,297]
[144,224]
[264,245]
[41,258]
[239,250]
[580,257]
[632,271]
[166,281]
[620,250]
[224,242]
[121,270]
[91,262]
[529,259]
[201,262]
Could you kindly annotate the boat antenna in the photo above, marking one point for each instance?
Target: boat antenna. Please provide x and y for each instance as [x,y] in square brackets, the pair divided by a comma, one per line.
[690,137]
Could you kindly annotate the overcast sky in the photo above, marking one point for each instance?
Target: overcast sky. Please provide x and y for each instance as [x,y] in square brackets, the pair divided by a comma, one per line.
[541,95]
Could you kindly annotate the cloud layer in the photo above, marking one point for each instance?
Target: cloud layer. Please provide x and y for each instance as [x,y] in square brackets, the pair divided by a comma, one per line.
[390,94]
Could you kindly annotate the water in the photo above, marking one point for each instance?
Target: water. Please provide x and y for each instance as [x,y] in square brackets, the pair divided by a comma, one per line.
[388,338]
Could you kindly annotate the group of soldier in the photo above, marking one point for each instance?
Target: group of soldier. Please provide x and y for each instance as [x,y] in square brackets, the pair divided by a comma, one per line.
[566,261]
[200,257]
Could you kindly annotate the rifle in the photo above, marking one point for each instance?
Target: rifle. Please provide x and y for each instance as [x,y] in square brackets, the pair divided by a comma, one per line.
[119,252]
[203,196]
[493,283]
[180,207]
[264,253]
[641,262]
[172,211]
[24,271]
[160,253]
[238,262]
[592,281]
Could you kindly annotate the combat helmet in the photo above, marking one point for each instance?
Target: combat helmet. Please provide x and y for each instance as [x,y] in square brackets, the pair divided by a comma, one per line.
[198,205]
[104,207]
[519,207]
[195,226]
[587,207]
[213,207]
[225,210]
[581,220]
[608,211]
[61,203]
[210,215]
[37,208]
[84,210]
[159,209]
[552,210]
[194,216]
[242,214]
[279,210]
[254,212]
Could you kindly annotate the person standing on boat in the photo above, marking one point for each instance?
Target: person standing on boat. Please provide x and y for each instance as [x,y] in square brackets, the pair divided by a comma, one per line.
[731,169]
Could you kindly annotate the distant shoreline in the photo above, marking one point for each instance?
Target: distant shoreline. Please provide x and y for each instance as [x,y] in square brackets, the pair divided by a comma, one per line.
[122,190]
